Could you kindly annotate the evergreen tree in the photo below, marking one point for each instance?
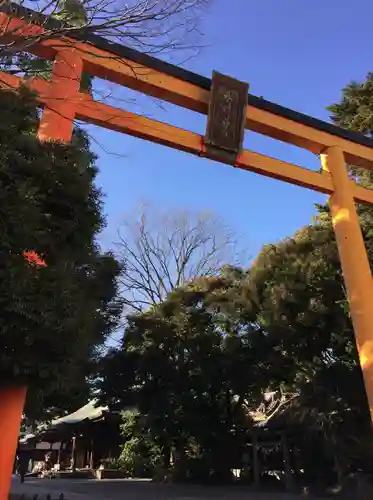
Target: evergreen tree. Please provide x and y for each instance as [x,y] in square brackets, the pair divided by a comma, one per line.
[284,325]
[355,112]
[189,365]
[355,109]
[57,309]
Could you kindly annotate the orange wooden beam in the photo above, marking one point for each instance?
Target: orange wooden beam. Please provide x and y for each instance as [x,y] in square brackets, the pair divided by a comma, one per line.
[107,65]
[129,123]
[354,261]
[190,96]
[13,29]
[161,133]
[309,138]
[58,117]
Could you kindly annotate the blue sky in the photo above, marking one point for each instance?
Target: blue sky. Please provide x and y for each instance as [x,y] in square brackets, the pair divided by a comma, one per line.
[296,53]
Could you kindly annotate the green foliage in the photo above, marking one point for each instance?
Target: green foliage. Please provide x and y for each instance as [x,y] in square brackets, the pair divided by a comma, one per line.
[355,110]
[54,317]
[140,456]
[72,12]
[197,364]
[112,463]
[299,291]
[189,365]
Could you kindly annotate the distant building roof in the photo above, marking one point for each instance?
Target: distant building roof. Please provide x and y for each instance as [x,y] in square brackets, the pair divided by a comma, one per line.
[89,412]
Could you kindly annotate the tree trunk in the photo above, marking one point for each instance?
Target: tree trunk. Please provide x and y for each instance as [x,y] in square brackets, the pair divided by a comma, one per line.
[91,461]
[337,463]
[73,454]
[289,482]
[179,463]
[221,465]
[166,457]
[256,464]
[12,401]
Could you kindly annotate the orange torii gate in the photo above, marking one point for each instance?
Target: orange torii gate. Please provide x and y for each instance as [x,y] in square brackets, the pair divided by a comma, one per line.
[229,109]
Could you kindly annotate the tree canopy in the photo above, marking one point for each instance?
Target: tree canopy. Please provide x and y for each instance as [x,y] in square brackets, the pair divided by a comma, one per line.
[55,315]
[187,365]
[205,355]
[200,363]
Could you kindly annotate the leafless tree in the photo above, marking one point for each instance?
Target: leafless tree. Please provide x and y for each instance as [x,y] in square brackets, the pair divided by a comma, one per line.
[161,251]
[149,25]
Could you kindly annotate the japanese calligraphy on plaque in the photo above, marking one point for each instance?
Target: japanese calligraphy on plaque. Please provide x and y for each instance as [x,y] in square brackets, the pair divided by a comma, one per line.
[227,113]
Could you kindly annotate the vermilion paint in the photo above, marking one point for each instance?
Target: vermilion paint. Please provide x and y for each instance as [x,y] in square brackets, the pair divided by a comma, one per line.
[12,400]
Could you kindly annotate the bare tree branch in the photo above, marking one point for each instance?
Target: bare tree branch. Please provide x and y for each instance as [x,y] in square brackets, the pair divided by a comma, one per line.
[160,252]
[149,25]
[152,26]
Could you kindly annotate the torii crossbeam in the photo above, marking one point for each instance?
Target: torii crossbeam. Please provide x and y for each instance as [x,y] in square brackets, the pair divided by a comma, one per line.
[63,102]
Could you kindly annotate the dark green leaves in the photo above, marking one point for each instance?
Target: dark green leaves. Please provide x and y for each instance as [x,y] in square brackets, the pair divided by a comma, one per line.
[52,317]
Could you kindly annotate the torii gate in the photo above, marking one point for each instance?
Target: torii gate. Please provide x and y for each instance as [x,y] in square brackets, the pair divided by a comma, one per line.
[229,111]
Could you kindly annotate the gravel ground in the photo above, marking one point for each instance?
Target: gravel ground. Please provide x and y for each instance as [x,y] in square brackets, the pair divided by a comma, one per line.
[76,489]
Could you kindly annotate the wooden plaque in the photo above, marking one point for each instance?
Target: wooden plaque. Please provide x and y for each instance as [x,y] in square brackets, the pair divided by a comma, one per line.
[227,114]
